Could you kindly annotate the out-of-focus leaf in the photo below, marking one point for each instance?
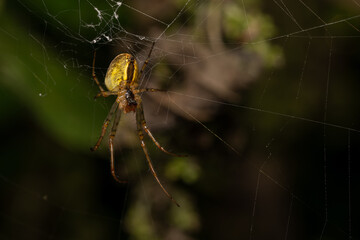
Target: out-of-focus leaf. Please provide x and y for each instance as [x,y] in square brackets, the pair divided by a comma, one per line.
[60,100]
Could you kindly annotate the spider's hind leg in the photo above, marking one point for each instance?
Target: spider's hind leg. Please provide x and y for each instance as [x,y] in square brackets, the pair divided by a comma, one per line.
[94,75]
[146,60]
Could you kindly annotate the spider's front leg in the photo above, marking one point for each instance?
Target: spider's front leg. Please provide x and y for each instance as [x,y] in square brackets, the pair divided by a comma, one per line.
[147,130]
[139,118]
[111,145]
[105,125]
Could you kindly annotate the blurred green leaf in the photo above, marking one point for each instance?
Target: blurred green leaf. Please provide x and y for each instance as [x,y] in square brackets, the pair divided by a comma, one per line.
[59,99]
[184,169]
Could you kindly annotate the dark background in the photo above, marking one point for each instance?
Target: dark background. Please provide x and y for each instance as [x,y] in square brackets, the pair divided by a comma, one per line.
[270,121]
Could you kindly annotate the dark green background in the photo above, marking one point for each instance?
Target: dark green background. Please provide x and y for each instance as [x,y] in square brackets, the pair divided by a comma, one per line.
[53,187]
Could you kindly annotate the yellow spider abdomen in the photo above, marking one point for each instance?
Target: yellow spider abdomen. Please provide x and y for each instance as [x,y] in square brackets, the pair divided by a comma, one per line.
[122,72]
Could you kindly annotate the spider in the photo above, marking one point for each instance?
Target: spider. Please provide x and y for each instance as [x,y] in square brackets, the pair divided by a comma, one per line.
[122,79]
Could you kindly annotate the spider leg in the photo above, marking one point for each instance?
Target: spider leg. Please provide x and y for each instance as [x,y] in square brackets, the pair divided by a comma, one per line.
[105,125]
[147,130]
[149,90]
[111,145]
[146,61]
[94,76]
[105,94]
[139,114]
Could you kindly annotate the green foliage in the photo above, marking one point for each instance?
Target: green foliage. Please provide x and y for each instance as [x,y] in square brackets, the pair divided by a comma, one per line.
[182,169]
[59,99]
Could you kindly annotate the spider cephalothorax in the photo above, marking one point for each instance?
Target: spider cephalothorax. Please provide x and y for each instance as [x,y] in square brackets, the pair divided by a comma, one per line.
[121,80]
[131,103]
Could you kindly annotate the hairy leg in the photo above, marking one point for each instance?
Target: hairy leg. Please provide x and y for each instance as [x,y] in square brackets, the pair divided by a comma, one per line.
[141,137]
[111,146]
[105,125]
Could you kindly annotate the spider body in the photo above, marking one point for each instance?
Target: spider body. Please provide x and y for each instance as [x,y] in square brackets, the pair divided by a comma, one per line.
[123,72]
[121,80]
[131,101]
[122,77]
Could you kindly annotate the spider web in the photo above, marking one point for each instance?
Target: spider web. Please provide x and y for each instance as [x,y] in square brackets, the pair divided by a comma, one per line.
[261,95]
